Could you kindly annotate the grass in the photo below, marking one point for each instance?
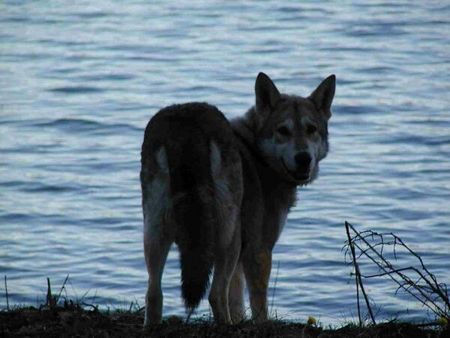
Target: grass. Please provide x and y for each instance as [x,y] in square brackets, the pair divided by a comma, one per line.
[71,320]
[60,316]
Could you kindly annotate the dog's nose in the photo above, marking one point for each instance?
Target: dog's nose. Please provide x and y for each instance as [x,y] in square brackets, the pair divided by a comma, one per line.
[303,160]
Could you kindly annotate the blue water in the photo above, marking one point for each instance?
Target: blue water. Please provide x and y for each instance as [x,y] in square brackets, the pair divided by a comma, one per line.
[79,81]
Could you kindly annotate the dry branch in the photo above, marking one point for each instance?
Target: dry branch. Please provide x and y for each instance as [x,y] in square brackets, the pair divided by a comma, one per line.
[6,293]
[418,282]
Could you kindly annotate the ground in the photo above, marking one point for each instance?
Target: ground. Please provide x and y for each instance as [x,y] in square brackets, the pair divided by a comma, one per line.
[73,321]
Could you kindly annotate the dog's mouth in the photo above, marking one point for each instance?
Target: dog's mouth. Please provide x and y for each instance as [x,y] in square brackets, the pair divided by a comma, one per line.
[299,177]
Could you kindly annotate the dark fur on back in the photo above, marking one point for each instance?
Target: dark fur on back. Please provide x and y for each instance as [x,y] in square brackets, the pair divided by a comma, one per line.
[193,209]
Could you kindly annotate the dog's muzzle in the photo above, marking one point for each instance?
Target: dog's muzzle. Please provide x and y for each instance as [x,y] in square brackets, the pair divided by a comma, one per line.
[302,173]
[303,161]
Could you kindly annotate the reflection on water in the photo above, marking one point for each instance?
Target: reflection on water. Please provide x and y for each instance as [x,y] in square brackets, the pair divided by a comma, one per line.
[79,82]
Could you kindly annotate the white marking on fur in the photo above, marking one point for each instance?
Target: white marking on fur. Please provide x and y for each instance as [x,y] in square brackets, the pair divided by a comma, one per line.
[321,149]
[278,151]
[271,149]
[314,149]
[227,210]
[157,201]
[161,159]
[284,150]
[289,123]
[216,160]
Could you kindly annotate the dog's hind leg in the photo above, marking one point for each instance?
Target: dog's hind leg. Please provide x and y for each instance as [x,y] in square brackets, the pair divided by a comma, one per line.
[236,295]
[228,195]
[155,253]
[157,234]
[224,265]
[257,265]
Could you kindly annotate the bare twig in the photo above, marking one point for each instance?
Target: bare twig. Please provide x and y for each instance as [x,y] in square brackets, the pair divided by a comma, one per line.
[62,288]
[6,293]
[50,299]
[423,285]
[358,280]
[406,279]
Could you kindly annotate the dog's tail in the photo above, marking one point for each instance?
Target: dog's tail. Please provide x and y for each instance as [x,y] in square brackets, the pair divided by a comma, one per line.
[194,213]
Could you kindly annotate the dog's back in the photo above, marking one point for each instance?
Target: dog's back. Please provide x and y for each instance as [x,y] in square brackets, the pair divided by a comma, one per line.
[190,177]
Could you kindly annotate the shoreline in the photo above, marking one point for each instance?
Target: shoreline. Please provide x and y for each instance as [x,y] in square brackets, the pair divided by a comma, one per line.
[73,320]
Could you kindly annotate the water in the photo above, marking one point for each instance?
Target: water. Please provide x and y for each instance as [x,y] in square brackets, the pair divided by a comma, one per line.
[79,81]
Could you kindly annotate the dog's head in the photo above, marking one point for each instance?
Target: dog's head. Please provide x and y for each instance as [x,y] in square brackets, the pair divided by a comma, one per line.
[292,131]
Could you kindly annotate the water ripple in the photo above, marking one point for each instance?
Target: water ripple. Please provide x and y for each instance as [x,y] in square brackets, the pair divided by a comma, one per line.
[76,90]
[79,82]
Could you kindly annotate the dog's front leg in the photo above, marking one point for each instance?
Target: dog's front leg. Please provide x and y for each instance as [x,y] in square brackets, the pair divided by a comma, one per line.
[257,265]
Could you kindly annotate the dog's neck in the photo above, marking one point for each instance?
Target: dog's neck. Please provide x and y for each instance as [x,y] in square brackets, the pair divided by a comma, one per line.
[279,194]
[243,127]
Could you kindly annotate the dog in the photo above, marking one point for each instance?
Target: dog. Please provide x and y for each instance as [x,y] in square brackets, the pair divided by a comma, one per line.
[221,190]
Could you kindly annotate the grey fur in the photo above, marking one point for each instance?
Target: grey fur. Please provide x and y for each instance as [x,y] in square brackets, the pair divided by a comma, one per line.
[250,170]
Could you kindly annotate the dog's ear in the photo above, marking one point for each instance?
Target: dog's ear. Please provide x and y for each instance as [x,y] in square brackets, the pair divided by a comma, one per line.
[267,94]
[323,95]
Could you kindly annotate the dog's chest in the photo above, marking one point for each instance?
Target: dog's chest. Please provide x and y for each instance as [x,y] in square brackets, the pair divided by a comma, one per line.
[277,210]
[282,220]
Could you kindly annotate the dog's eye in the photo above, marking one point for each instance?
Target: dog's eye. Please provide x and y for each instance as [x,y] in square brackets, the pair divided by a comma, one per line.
[311,129]
[284,131]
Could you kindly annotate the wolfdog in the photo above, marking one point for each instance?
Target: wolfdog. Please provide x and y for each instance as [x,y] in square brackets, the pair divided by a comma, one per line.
[221,190]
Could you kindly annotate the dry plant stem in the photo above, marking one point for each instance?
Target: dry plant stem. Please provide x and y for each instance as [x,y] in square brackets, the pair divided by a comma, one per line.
[6,293]
[274,288]
[388,269]
[435,287]
[427,294]
[49,294]
[401,285]
[62,288]
[358,279]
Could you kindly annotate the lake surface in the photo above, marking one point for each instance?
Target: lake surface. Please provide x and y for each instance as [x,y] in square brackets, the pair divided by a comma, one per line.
[80,80]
